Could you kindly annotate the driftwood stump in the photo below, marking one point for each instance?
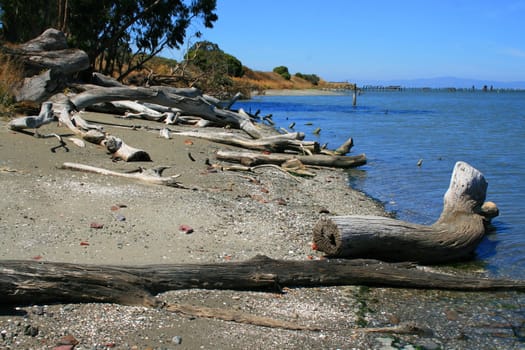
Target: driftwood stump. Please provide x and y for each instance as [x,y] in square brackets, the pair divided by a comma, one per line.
[453,237]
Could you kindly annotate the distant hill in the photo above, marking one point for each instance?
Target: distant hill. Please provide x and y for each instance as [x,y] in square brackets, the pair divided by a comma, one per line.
[449,82]
[270,80]
[167,71]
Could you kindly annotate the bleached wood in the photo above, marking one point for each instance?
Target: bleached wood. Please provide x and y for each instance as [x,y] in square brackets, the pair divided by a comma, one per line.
[453,237]
[251,159]
[153,176]
[275,143]
[120,150]
[45,116]
[192,106]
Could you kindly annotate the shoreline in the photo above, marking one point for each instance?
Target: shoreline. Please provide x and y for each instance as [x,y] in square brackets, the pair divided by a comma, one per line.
[46,214]
[304,92]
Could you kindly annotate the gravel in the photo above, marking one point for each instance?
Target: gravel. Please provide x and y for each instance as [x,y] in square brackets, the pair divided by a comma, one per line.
[49,214]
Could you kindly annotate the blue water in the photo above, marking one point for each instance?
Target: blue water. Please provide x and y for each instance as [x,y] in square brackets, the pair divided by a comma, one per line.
[397,129]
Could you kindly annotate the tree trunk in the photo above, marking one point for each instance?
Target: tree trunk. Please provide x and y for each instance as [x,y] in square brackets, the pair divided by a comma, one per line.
[31,282]
[453,237]
[193,106]
[275,143]
[47,65]
[252,159]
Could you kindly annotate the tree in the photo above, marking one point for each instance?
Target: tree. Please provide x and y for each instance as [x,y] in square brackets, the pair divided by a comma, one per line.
[209,58]
[283,72]
[312,78]
[118,35]
[213,67]
[23,20]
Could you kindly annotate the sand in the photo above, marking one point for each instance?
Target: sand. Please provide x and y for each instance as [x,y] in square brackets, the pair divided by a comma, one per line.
[47,214]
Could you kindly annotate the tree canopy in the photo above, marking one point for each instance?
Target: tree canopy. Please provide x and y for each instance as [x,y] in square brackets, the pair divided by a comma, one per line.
[213,68]
[312,78]
[283,72]
[210,58]
[118,35]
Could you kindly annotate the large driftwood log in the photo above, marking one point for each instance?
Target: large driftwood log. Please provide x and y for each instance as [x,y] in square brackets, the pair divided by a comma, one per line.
[47,64]
[252,159]
[31,282]
[190,105]
[453,237]
[274,143]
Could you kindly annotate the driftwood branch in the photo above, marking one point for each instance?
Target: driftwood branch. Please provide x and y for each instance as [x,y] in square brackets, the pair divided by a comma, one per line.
[274,143]
[45,116]
[251,159]
[235,316]
[151,176]
[197,106]
[454,236]
[341,150]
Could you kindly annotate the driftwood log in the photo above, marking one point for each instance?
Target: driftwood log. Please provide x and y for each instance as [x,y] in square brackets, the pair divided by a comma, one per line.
[191,105]
[275,143]
[45,116]
[32,282]
[453,237]
[252,159]
[48,65]
[49,56]
[121,151]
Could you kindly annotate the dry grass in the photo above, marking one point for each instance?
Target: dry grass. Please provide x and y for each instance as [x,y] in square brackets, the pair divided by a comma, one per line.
[10,75]
[269,80]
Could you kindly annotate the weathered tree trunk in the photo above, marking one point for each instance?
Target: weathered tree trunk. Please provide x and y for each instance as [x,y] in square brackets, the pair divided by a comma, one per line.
[251,159]
[193,106]
[275,143]
[47,64]
[453,237]
[31,282]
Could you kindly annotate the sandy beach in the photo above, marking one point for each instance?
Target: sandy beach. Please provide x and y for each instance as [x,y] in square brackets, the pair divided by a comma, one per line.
[51,214]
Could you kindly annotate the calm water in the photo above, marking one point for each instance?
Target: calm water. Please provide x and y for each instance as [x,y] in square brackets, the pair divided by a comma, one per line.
[396,129]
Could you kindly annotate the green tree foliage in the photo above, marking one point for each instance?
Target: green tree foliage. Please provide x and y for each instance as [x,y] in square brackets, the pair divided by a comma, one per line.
[283,72]
[210,59]
[214,69]
[118,35]
[312,78]
[24,19]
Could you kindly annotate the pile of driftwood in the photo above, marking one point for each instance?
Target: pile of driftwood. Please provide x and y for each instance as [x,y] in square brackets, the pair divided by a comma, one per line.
[167,105]
[455,235]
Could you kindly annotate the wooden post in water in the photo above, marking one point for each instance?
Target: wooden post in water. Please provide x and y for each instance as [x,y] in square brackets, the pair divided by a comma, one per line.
[354,96]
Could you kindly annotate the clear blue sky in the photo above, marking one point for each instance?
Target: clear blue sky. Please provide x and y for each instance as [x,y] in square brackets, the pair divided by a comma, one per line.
[379,40]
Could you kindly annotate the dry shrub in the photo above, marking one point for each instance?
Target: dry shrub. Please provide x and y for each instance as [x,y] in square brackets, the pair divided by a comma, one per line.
[10,75]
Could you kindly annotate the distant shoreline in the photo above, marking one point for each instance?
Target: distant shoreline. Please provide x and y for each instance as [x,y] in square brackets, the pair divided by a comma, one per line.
[302,92]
